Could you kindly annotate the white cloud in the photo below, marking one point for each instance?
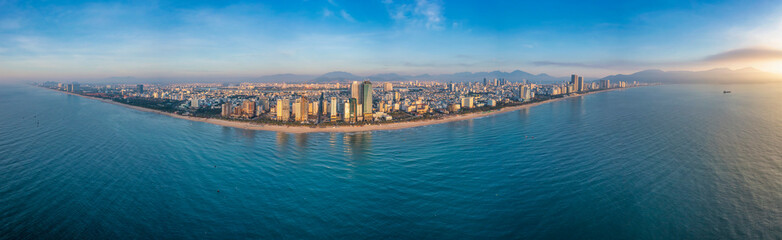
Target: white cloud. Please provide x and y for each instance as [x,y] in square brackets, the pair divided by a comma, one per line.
[327,12]
[432,11]
[421,13]
[347,16]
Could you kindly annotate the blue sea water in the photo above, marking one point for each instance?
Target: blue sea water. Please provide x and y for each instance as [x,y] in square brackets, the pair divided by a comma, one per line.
[663,162]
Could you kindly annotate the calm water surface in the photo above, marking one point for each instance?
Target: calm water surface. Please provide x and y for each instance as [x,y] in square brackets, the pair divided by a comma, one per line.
[665,162]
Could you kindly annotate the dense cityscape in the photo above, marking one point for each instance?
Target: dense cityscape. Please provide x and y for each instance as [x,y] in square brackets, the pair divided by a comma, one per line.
[351,103]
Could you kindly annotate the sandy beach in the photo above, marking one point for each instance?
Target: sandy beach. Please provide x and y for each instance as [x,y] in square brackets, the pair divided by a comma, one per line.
[362,128]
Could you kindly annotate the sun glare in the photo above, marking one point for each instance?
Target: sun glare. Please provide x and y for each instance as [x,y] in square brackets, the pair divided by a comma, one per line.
[775,67]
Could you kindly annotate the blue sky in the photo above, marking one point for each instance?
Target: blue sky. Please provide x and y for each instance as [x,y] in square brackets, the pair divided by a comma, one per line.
[204,39]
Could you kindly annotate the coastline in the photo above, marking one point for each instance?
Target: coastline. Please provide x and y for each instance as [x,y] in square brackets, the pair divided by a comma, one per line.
[362,128]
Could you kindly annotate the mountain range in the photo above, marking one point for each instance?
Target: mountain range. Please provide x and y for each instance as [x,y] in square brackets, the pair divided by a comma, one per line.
[718,75]
[343,77]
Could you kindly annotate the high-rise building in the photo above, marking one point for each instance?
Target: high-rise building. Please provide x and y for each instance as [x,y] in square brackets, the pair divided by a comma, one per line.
[283,110]
[304,108]
[346,114]
[333,108]
[355,90]
[300,109]
[388,87]
[359,112]
[580,84]
[319,108]
[367,98]
[140,88]
[194,103]
[353,108]
[524,92]
[248,108]
[467,102]
[324,105]
[226,109]
[573,79]
[605,84]
[263,105]
[296,109]
[73,87]
[381,106]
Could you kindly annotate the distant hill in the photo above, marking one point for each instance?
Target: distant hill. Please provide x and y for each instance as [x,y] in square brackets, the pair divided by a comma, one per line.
[718,75]
[336,77]
[288,78]
[389,77]
[515,76]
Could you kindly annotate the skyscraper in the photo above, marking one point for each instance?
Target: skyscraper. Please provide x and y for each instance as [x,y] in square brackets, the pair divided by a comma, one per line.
[355,90]
[319,108]
[300,109]
[140,88]
[296,110]
[73,87]
[346,114]
[324,106]
[604,84]
[352,109]
[388,87]
[333,108]
[248,108]
[283,110]
[580,84]
[524,92]
[305,103]
[226,109]
[367,98]
[263,105]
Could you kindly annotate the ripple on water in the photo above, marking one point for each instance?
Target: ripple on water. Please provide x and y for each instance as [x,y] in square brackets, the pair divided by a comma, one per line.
[646,163]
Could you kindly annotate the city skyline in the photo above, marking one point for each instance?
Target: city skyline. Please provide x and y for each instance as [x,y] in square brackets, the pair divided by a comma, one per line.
[206,40]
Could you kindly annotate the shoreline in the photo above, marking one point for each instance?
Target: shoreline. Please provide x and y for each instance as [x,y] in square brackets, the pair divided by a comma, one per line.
[362,128]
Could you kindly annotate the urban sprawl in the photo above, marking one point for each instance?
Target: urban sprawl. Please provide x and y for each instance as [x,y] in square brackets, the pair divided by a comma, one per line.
[356,103]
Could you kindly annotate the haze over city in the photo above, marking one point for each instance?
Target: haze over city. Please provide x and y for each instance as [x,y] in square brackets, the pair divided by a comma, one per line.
[193,40]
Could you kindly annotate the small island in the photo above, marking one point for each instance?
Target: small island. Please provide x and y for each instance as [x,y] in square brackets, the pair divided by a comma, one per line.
[335,107]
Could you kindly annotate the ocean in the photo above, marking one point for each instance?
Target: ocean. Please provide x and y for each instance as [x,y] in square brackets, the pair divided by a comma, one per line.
[662,162]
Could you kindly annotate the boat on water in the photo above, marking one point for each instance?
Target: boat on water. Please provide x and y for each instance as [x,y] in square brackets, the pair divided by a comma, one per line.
[725,91]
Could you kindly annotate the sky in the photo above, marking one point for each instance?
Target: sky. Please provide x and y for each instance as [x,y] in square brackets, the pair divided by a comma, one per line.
[59,40]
